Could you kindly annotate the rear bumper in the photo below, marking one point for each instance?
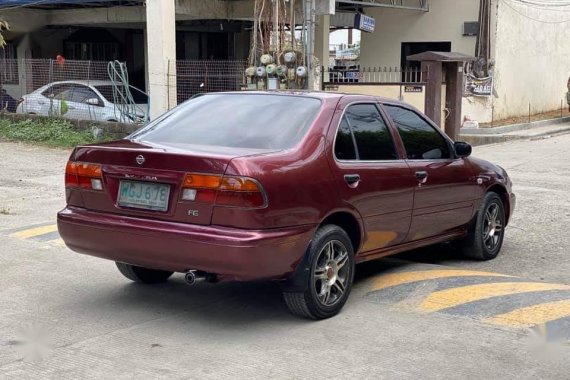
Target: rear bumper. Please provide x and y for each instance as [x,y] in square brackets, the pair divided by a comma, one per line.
[233,254]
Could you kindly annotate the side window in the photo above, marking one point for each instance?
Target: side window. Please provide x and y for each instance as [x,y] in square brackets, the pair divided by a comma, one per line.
[421,140]
[373,139]
[344,146]
[55,90]
[65,94]
[81,94]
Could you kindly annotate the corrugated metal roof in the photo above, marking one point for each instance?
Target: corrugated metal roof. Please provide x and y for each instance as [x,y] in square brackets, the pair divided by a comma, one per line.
[49,3]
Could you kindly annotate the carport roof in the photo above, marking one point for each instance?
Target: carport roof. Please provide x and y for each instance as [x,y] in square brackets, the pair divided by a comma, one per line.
[60,3]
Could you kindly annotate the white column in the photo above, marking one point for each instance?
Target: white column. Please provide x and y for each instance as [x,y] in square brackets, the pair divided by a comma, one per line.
[161,55]
[322,39]
[322,34]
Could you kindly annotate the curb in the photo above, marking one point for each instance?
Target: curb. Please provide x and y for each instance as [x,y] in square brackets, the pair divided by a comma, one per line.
[485,139]
[516,127]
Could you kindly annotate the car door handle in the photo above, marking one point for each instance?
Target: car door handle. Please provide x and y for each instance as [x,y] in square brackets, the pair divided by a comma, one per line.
[421,176]
[352,179]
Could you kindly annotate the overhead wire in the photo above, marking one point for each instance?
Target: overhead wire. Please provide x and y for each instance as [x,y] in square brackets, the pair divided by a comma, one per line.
[518,11]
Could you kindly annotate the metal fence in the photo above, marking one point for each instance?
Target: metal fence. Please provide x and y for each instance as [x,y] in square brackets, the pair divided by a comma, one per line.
[89,93]
[66,88]
[385,75]
[195,77]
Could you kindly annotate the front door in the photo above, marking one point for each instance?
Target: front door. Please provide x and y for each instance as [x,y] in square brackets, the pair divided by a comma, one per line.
[372,175]
[444,193]
[78,105]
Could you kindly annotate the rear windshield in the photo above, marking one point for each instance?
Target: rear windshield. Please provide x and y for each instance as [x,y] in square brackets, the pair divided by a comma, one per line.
[259,121]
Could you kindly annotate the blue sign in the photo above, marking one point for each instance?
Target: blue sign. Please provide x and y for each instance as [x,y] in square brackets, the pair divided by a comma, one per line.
[364,23]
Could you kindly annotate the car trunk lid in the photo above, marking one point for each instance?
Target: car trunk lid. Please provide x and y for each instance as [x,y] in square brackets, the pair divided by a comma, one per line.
[131,171]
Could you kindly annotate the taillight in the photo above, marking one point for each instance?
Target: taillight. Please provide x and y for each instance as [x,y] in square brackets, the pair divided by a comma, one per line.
[83,175]
[223,190]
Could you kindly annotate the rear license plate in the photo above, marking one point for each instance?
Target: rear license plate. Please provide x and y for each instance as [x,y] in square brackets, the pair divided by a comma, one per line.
[144,195]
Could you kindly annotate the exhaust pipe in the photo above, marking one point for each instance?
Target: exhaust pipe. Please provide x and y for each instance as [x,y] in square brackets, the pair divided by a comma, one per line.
[193,277]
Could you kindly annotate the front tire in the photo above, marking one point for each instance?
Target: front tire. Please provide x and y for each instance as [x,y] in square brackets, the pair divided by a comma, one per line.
[331,263]
[143,275]
[485,238]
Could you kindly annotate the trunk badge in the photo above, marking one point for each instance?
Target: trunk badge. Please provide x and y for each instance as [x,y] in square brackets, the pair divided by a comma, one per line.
[140,159]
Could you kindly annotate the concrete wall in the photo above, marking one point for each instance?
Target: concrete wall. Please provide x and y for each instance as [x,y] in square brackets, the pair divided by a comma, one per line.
[443,22]
[532,59]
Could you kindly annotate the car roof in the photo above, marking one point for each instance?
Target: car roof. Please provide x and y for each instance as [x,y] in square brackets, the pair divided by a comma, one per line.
[84,82]
[325,95]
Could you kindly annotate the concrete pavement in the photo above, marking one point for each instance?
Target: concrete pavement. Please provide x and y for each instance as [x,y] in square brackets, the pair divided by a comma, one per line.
[68,316]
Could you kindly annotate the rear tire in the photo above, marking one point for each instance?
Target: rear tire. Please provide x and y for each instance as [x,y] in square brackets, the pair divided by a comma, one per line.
[331,263]
[143,275]
[485,237]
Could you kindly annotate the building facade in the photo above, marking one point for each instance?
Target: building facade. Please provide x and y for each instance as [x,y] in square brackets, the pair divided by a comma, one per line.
[529,49]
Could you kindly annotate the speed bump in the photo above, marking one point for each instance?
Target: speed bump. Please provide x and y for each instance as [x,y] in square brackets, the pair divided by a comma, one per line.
[493,298]
[43,233]
[458,296]
[533,315]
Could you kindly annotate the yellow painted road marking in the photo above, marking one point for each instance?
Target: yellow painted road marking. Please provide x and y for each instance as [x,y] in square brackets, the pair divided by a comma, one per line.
[401,278]
[32,232]
[447,298]
[532,315]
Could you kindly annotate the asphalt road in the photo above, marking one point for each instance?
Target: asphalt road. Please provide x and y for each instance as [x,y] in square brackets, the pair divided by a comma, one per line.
[436,316]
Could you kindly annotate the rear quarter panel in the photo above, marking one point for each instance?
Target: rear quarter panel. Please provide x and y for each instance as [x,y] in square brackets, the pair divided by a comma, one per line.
[298,182]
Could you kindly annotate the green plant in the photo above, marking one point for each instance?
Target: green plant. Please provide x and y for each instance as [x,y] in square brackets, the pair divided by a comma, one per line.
[46,131]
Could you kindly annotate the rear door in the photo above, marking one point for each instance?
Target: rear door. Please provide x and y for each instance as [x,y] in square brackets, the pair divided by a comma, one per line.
[444,190]
[371,174]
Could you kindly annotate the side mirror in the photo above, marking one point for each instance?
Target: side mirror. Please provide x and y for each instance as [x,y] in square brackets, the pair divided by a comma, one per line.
[463,149]
[93,102]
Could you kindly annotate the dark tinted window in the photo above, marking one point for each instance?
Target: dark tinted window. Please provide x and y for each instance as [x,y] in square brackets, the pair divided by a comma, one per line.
[55,90]
[81,94]
[372,136]
[344,145]
[243,120]
[421,140]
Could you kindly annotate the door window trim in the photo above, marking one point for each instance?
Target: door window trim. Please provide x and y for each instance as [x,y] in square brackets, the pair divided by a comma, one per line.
[358,160]
[437,129]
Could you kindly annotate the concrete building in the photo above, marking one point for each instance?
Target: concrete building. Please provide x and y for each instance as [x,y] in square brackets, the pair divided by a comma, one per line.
[150,36]
[529,46]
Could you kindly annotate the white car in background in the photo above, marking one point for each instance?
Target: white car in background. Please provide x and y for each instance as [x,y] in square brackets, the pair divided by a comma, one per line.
[85,100]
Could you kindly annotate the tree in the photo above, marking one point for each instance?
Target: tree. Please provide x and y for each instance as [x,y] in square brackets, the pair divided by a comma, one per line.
[3,26]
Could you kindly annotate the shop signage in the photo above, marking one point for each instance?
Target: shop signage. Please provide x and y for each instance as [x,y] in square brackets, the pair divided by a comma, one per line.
[364,23]
[478,86]
[413,89]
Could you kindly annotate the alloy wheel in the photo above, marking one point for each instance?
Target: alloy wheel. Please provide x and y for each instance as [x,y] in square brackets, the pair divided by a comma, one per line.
[331,273]
[492,227]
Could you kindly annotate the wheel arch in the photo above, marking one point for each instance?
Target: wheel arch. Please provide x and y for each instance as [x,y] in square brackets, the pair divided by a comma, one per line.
[350,223]
[502,192]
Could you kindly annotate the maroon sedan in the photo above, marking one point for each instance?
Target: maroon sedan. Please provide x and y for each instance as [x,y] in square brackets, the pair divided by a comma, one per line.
[292,187]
